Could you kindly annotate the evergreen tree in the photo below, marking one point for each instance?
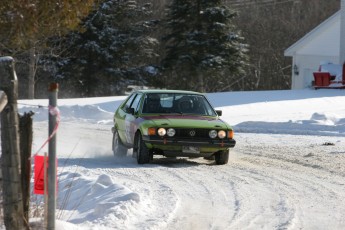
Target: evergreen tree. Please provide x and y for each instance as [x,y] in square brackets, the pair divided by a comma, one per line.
[114,49]
[202,45]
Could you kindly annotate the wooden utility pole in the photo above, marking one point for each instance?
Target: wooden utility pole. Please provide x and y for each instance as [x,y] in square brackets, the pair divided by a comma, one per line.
[12,189]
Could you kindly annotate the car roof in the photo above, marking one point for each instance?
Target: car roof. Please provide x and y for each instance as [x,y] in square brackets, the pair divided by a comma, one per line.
[145,91]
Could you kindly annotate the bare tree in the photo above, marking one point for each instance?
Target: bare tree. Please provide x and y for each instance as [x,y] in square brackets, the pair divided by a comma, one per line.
[28,26]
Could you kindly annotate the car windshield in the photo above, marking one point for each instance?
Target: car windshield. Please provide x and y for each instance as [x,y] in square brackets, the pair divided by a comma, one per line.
[164,103]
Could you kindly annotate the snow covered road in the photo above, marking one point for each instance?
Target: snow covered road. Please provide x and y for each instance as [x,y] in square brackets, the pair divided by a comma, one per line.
[287,170]
[271,182]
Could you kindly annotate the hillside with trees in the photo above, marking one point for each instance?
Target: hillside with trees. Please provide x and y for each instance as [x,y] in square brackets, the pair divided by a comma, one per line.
[97,48]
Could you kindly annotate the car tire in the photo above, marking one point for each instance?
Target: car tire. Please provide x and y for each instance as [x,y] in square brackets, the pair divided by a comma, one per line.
[143,153]
[119,149]
[222,157]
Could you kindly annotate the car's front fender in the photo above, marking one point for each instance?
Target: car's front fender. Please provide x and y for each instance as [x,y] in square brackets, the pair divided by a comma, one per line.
[143,125]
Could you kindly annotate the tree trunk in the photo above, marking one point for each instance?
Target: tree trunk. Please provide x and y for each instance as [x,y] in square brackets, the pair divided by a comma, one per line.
[31,80]
[12,190]
[201,86]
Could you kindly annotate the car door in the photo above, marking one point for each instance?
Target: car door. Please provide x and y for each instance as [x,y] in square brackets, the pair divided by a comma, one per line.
[130,119]
[120,118]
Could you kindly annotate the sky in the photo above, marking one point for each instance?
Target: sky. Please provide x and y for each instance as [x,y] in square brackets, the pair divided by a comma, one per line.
[286,171]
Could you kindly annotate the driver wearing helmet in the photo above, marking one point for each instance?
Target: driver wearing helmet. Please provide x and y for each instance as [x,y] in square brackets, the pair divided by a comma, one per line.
[153,104]
[186,105]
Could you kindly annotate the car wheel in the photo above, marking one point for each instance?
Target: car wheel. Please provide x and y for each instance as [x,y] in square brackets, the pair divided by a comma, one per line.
[118,148]
[143,153]
[222,157]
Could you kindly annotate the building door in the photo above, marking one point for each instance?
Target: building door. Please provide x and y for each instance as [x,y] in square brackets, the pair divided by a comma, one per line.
[308,78]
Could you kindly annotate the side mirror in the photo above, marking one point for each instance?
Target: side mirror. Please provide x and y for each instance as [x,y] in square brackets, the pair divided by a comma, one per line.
[130,111]
[219,112]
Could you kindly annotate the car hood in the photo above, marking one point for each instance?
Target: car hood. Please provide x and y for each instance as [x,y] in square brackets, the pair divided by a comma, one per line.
[186,121]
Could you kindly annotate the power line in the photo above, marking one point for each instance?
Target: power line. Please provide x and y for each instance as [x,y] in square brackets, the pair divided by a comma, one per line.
[259,4]
[237,4]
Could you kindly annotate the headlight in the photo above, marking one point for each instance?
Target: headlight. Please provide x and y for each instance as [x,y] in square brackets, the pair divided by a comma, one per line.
[221,134]
[171,132]
[213,133]
[161,132]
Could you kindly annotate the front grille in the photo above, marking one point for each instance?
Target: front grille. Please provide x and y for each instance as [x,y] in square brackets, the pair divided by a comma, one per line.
[188,133]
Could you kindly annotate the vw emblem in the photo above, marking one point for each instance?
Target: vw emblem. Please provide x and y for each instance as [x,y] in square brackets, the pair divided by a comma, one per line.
[192,133]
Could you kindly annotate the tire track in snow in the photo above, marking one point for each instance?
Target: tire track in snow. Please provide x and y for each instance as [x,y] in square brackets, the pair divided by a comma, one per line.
[250,192]
[204,202]
[304,191]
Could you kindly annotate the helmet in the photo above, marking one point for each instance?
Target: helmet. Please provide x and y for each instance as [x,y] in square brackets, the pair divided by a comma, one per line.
[186,105]
[153,103]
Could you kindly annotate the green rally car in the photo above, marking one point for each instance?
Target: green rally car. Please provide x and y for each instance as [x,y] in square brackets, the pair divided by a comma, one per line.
[170,123]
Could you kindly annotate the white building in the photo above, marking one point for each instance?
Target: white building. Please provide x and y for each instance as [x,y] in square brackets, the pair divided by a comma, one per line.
[322,44]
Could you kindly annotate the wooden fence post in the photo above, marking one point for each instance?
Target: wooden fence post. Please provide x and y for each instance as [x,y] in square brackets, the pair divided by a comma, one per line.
[3,100]
[12,189]
[26,133]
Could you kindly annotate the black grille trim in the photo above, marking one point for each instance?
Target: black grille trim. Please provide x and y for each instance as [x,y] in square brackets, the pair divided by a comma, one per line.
[199,133]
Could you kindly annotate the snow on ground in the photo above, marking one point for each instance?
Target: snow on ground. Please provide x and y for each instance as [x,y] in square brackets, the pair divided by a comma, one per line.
[286,171]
